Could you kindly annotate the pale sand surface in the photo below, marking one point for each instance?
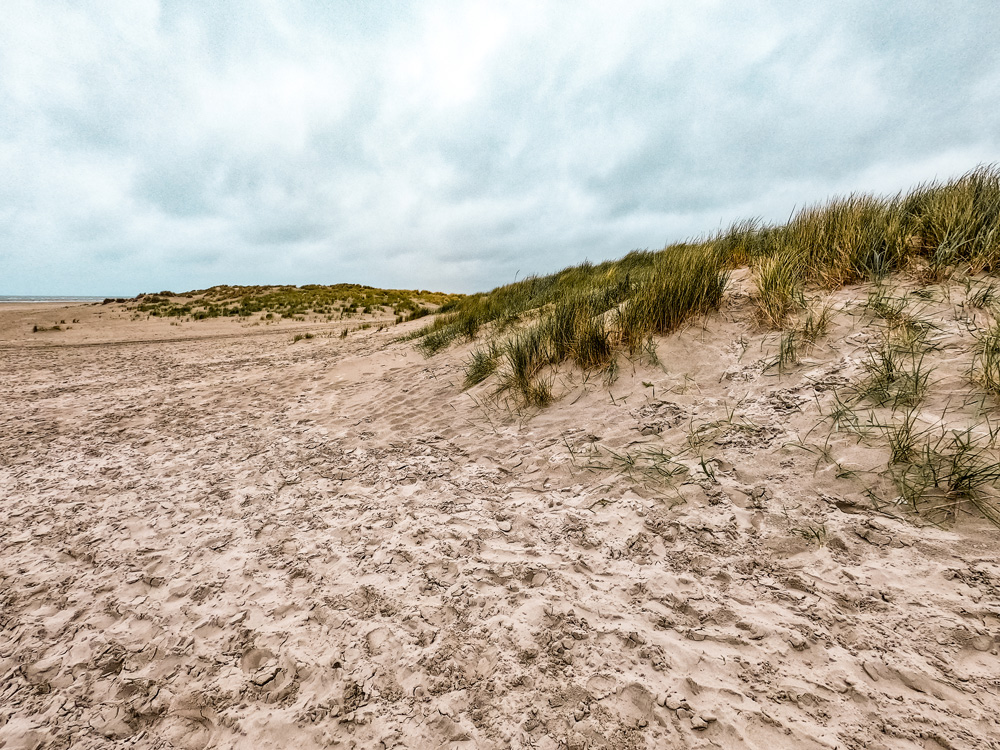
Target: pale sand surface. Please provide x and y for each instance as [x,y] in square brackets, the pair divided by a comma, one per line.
[238,541]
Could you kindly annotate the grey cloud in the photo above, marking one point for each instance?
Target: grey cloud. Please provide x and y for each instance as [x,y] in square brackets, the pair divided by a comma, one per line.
[176,189]
[419,145]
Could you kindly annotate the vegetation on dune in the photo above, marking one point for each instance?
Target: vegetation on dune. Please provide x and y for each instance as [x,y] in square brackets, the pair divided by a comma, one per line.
[340,300]
[937,467]
[940,465]
[582,314]
[589,312]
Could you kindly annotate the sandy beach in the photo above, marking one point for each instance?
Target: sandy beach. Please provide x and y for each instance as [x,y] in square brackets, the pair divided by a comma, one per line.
[215,536]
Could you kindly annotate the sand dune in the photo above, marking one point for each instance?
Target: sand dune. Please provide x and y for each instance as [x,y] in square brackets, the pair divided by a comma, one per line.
[218,539]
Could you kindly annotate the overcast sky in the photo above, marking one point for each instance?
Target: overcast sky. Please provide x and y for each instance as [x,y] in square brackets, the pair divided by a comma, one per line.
[453,145]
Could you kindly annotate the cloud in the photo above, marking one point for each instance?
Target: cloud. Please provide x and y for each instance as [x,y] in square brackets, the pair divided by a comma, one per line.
[454,144]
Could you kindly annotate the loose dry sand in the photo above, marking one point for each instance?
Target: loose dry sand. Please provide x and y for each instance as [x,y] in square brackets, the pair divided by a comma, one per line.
[214,537]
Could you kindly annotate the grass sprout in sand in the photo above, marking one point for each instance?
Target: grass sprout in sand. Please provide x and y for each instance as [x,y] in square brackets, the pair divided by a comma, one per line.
[893,377]
[955,470]
[986,362]
[649,466]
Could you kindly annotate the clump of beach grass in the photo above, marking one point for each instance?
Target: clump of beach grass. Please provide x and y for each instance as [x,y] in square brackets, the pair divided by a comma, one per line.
[684,281]
[815,323]
[482,363]
[957,222]
[902,437]
[982,296]
[779,288]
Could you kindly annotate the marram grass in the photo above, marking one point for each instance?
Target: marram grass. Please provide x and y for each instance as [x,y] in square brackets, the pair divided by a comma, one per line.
[588,313]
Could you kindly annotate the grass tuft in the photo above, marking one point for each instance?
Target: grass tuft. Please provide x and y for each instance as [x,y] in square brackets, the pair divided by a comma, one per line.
[779,288]
[902,437]
[815,324]
[983,296]
[481,364]
[893,377]
[686,280]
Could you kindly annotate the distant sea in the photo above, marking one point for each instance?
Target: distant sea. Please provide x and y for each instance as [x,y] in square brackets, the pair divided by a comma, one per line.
[47,298]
